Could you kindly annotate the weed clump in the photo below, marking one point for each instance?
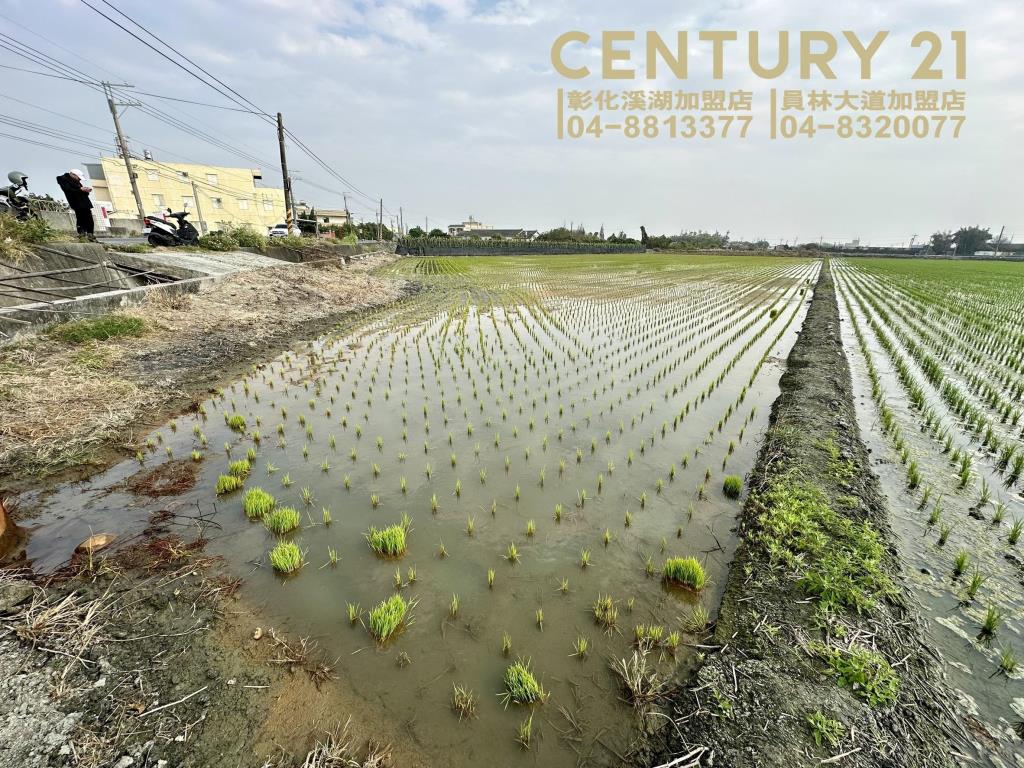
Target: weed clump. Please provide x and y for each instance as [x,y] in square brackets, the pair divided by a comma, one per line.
[864,671]
[837,559]
[685,571]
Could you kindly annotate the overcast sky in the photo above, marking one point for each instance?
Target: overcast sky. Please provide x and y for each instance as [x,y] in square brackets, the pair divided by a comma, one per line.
[447,108]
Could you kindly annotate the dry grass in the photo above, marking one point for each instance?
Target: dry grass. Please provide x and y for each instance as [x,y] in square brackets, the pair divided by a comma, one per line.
[337,750]
[61,404]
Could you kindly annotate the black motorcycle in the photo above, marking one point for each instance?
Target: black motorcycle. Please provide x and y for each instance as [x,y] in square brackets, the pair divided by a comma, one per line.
[159,231]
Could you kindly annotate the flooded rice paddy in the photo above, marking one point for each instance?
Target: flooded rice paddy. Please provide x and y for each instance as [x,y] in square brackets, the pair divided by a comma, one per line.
[937,355]
[545,431]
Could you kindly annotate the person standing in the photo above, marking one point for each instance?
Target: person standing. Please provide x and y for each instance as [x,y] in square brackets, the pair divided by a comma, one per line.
[78,198]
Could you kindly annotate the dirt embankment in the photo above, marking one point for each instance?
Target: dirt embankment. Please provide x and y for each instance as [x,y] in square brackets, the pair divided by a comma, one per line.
[67,404]
[818,657]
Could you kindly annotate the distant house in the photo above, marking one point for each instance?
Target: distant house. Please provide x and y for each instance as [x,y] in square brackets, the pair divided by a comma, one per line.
[469,225]
[325,217]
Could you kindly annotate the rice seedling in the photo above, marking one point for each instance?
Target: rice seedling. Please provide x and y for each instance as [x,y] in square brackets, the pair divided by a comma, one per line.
[281,520]
[347,483]
[606,613]
[506,644]
[388,542]
[307,496]
[990,623]
[410,574]
[286,557]
[976,582]
[998,512]
[453,606]
[628,519]
[581,647]
[539,618]
[1015,530]
[463,702]
[240,468]
[531,528]
[732,486]
[441,551]
[332,556]
[1007,661]
[398,578]
[490,578]
[960,563]
[584,558]
[256,503]
[511,553]
[607,537]
[944,531]
[524,732]
[286,480]
[563,586]
[388,616]
[685,571]
[227,484]
[521,687]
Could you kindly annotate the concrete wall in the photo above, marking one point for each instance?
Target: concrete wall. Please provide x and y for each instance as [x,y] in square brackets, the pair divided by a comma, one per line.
[62,221]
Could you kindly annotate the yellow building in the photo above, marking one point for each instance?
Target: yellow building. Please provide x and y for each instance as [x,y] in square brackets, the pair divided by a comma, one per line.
[215,197]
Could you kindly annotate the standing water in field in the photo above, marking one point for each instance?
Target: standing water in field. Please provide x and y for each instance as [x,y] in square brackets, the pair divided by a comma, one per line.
[486,498]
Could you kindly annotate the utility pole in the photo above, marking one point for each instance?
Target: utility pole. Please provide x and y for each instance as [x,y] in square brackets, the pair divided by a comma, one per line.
[380,221]
[289,214]
[123,146]
[348,216]
[199,211]
[999,239]
[401,222]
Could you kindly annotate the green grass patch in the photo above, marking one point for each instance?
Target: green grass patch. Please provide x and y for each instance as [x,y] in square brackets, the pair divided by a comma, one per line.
[686,572]
[521,687]
[256,503]
[282,519]
[240,468]
[99,329]
[387,542]
[837,559]
[387,617]
[732,486]
[286,557]
[235,422]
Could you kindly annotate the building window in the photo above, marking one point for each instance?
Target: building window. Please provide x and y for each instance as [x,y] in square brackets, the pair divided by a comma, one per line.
[152,175]
[158,201]
[183,174]
[187,201]
[216,202]
[211,178]
[268,205]
[243,205]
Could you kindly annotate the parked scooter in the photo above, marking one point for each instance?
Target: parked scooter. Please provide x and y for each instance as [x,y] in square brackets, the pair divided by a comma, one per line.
[162,232]
[14,198]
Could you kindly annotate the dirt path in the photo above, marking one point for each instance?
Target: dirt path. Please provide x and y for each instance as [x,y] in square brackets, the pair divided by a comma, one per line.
[817,656]
[67,406]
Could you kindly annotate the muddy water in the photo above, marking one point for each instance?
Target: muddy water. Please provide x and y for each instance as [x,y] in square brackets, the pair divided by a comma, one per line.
[995,699]
[574,370]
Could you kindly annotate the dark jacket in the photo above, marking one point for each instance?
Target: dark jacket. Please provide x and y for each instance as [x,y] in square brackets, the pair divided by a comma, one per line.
[77,197]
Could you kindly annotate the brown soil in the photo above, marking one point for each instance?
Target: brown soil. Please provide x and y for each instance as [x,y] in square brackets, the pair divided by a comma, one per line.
[748,705]
[70,409]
